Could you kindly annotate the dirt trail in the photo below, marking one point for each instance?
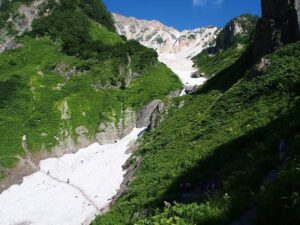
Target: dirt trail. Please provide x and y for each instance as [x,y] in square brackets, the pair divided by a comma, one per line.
[74,187]
[36,168]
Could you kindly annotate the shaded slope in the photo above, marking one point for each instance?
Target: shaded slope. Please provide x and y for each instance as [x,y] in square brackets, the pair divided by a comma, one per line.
[231,43]
[229,136]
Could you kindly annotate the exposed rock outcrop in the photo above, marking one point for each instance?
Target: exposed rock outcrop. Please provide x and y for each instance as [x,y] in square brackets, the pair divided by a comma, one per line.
[65,70]
[163,39]
[7,42]
[262,66]
[241,26]
[21,23]
[111,131]
[175,48]
[150,115]
[278,26]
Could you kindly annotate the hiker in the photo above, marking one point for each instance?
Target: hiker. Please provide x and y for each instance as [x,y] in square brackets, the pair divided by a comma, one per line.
[48,172]
[282,150]
[68,181]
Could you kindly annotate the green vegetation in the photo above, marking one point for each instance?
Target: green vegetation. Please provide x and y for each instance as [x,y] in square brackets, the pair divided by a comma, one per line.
[33,92]
[229,132]
[70,22]
[279,202]
[100,33]
[229,47]
[73,70]
[211,64]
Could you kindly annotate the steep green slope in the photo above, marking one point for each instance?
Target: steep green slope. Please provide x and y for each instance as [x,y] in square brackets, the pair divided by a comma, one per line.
[231,43]
[279,201]
[227,135]
[47,90]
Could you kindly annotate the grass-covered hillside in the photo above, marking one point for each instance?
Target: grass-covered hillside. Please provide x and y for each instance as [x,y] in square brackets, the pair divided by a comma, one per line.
[72,71]
[231,43]
[209,161]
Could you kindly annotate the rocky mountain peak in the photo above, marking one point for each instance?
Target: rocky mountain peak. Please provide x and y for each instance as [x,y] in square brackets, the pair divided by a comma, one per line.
[175,48]
[162,38]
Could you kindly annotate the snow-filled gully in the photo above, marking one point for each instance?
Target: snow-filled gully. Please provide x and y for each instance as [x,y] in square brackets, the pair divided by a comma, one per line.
[70,190]
[181,63]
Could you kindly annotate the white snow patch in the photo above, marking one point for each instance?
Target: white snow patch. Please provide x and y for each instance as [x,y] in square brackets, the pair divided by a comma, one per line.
[69,190]
[183,67]
[24,138]
[175,49]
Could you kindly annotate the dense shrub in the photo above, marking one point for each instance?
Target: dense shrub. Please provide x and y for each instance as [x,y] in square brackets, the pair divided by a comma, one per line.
[70,22]
[230,134]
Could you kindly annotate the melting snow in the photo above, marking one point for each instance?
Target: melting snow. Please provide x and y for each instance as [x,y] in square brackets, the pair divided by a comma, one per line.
[183,67]
[70,190]
[176,49]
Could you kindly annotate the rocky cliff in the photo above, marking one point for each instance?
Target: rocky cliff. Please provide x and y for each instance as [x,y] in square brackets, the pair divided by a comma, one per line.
[17,23]
[278,26]
[236,30]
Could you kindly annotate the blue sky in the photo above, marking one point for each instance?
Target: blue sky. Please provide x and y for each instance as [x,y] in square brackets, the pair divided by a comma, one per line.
[185,14]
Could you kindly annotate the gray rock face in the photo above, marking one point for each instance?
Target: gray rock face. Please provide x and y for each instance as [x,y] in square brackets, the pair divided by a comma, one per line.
[262,66]
[239,26]
[174,94]
[13,45]
[150,115]
[190,89]
[278,26]
[8,43]
[297,7]
[109,132]
[22,22]
[65,70]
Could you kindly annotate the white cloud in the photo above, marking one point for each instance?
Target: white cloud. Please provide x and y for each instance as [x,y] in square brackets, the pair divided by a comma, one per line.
[199,2]
[218,2]
[206,2]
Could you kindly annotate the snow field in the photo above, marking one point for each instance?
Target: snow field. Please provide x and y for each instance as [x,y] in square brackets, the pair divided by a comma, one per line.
[70,190]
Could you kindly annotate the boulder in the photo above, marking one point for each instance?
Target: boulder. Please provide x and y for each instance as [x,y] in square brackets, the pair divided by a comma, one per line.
[174,94]
[262,66]
[150,114]
[197,75]
[65,70]
[190,89]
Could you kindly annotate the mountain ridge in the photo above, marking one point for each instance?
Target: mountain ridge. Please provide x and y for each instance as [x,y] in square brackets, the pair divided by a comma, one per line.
[129,26]
[175,49]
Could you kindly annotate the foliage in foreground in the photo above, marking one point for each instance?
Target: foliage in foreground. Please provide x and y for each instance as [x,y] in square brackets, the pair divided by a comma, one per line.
[229,136]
